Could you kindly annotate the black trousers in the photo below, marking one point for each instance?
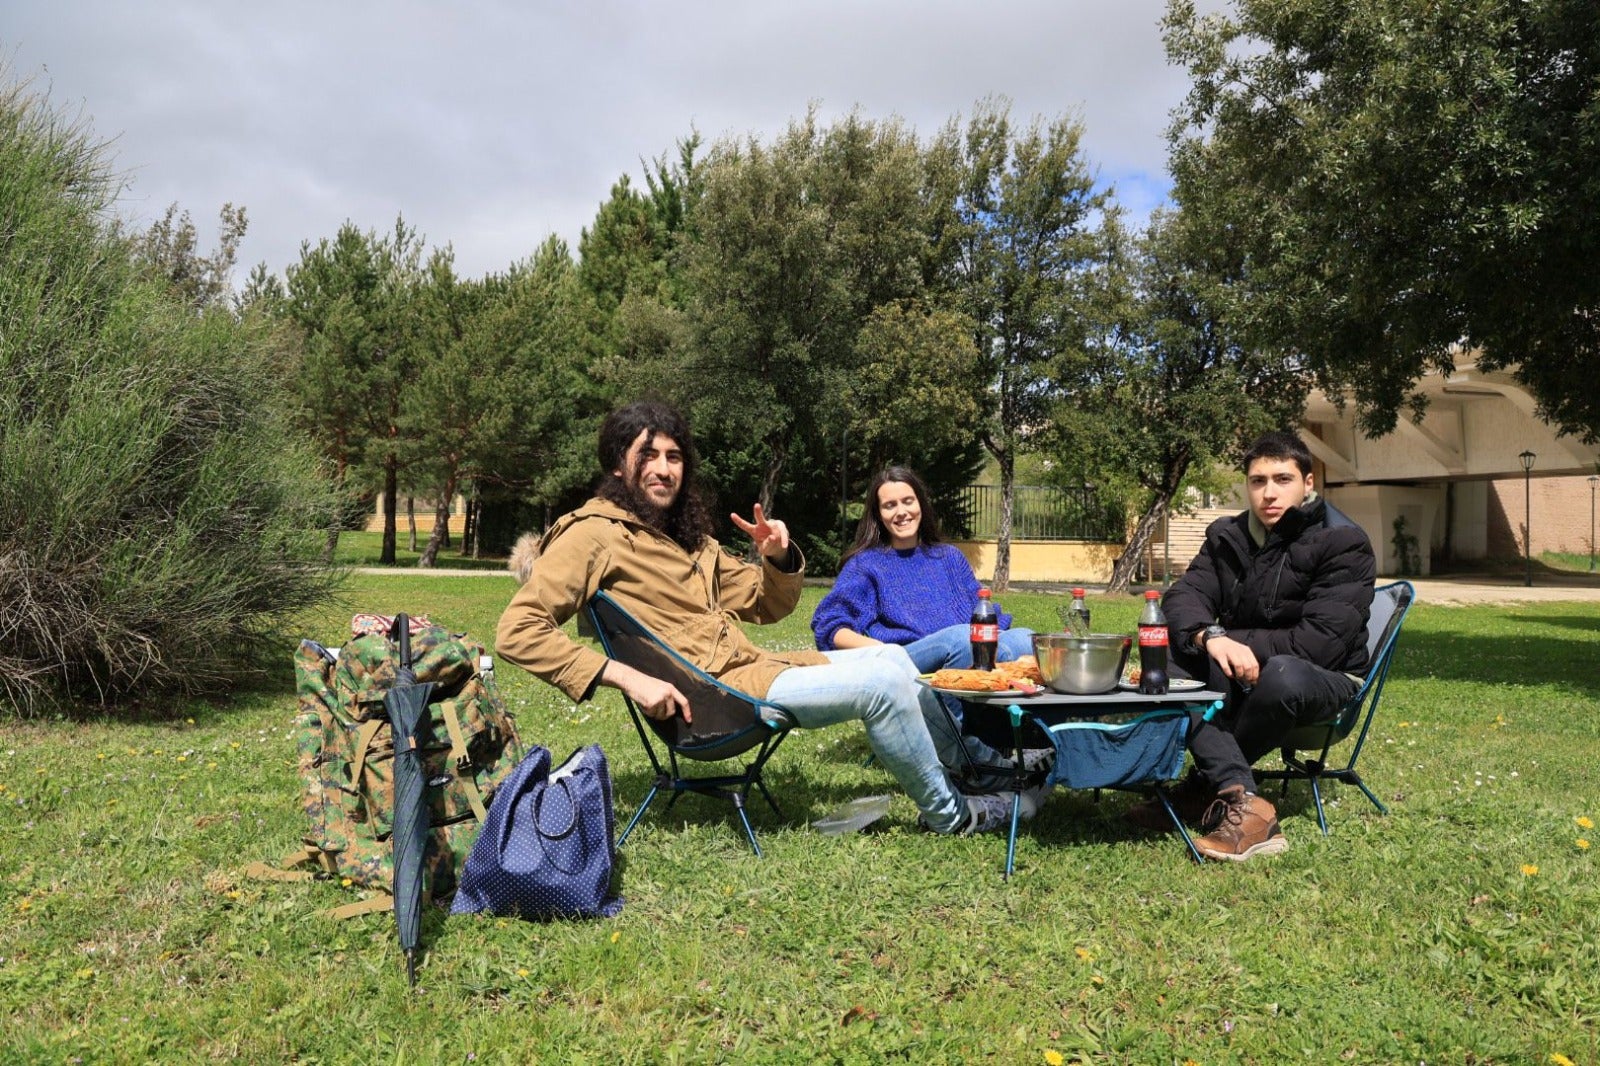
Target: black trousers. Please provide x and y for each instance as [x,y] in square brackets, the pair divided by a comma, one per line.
[1290,692]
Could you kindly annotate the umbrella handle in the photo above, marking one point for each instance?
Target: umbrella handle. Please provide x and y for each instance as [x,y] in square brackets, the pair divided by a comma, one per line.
[402,633]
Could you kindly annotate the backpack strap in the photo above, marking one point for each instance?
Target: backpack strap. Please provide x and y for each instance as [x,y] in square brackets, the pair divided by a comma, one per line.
[463,763]
[361,906]
[288,868]
[364,735]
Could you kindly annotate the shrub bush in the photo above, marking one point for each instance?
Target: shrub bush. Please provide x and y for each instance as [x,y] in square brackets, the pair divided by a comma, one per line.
[156,520]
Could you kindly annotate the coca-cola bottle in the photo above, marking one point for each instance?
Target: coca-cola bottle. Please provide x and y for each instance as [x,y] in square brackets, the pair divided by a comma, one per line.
[1078,615]
[985,632]
[1152,646]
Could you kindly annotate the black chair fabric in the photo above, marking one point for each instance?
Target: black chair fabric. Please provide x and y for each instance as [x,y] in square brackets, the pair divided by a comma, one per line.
[1390,603]
[726,723]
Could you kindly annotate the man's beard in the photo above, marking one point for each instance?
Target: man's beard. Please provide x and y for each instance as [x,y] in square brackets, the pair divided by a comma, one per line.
[686,521]
[631,496]
[647,510]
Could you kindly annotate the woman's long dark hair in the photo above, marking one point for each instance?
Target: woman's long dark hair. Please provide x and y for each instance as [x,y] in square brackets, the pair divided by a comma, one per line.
[870,531]
[688,520]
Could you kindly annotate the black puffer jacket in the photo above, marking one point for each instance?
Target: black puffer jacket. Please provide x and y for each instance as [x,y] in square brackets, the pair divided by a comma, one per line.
[1306,592]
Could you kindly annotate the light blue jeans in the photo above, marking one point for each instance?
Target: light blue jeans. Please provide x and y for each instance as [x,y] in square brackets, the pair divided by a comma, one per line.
[950,648]
[877,685]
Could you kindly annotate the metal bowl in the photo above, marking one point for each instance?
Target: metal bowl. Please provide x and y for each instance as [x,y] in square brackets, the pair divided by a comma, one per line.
[1081,666]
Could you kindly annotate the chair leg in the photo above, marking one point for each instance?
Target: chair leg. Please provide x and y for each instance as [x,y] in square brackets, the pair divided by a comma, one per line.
[762,785]
[1350,777]
[1316,794]
[1183,830]
[744,819]
[648,799]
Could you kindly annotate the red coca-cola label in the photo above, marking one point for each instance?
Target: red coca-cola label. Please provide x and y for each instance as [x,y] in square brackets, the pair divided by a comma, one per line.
[985,632]
[1152,636]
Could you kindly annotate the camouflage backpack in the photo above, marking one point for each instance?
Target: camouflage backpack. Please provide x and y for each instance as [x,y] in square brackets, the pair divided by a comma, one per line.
[469,744]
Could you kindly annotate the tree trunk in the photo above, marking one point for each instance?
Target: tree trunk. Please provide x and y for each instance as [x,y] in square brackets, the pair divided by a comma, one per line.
[1008,500]
[769,488]
[1138,541]
[336,523]
[469,527]
[441,522]
[391,494]
[411,520]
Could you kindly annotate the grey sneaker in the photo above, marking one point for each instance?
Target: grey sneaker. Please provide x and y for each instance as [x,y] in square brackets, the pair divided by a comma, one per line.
[1038,760]
[991,813]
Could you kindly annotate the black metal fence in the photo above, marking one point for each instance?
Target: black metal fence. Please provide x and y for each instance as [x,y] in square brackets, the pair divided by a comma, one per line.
[1040,512]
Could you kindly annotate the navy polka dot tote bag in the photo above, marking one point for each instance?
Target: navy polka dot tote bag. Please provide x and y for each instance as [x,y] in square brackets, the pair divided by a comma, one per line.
[546,847]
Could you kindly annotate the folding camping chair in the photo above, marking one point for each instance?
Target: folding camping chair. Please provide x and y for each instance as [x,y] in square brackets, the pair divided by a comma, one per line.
[727,723]
[1389,606]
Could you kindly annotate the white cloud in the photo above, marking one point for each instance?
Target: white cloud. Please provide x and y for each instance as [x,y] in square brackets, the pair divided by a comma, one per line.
[491,125]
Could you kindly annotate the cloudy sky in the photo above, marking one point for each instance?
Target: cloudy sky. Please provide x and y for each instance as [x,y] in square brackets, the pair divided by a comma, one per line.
[491,124]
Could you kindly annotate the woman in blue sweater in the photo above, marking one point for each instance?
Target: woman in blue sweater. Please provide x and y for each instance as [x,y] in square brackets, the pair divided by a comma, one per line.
[900,584]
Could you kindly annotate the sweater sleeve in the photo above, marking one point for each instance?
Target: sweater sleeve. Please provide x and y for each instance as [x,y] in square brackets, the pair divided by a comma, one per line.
[851,603]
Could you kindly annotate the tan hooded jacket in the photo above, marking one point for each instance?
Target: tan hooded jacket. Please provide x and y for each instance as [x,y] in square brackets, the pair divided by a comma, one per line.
[693,602]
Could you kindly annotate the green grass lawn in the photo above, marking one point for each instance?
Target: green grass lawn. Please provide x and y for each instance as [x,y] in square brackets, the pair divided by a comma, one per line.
[360,548]
[1463,928]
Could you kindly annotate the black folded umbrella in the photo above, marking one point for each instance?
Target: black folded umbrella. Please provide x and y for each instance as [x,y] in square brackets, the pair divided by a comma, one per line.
[406,703]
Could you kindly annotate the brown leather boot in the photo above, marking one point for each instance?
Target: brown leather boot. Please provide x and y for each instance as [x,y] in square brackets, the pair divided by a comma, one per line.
[1246,825]
[1191,798]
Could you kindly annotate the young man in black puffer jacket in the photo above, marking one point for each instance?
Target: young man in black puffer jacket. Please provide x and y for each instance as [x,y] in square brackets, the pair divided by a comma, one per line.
[1273,611]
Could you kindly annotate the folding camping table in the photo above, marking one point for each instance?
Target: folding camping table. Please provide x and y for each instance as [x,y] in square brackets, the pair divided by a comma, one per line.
[1119,740]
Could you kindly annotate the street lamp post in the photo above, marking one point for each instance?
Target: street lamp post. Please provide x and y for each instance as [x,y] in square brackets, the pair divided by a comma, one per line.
[1592,480]
[1527,458]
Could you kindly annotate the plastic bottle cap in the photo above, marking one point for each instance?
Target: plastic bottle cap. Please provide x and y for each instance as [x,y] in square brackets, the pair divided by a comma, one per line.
[1077,592]
[983,594]
[1151,594]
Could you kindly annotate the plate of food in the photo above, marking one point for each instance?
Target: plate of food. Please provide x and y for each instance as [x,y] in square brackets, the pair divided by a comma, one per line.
[997,682]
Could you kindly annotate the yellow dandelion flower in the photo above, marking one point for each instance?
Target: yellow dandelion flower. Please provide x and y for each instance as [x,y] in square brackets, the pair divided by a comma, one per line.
[616,936]
[101,756]
[1582,843]
[1529,869]
[85,973]
[1052,1057]
[1560,1059]
[234,745]
[25,903]
[521,972]
[1085,954]
[188,721]
[346,882]
[183,758]
[1584,822]
[232,893]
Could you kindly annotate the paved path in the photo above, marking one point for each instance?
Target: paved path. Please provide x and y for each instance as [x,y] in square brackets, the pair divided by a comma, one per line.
[1462,589]
[1490,589]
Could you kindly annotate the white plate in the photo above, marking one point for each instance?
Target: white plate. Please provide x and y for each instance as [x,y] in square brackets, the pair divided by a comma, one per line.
[1177,684]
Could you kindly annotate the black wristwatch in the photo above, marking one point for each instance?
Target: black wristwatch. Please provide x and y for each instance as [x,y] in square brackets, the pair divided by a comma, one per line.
[1212,631]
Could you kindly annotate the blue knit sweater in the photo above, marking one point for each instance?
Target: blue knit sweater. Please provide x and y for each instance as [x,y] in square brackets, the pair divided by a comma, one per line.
[899,596]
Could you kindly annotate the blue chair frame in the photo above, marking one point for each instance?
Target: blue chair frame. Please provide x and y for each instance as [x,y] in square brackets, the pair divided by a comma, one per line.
[1389,606]
[727,723]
